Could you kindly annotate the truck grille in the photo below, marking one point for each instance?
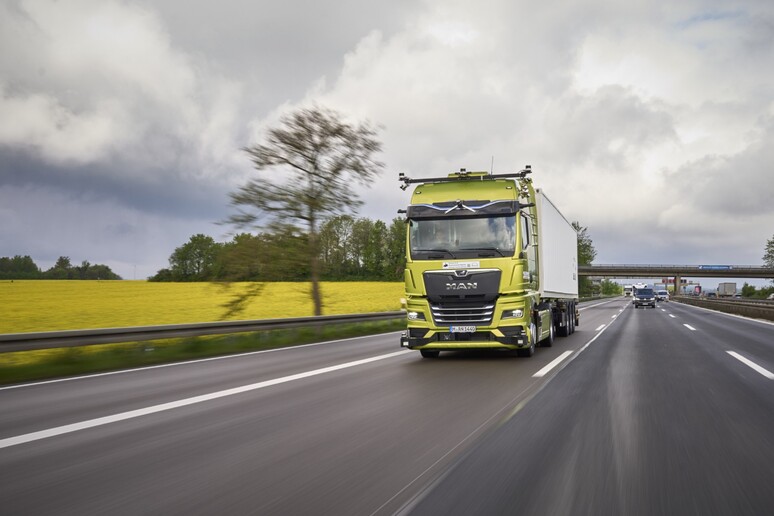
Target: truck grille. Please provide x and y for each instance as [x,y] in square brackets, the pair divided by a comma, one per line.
[447,314]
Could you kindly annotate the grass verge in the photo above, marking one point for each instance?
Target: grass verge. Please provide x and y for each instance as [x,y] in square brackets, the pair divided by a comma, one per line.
[25,366]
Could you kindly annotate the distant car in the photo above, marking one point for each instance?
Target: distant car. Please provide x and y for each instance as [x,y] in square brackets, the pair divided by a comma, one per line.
[662,295]
[711,294]
[644,297]
[771,297]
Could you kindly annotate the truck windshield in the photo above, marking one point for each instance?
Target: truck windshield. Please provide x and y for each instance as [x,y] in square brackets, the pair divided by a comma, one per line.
[468,237]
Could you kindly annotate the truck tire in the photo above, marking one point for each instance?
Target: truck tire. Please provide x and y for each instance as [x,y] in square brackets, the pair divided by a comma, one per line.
[572,318]
[564,324]
[528,352]
[549,341]
[429,353]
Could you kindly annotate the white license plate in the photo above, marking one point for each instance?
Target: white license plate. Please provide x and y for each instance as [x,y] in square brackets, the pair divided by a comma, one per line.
[463,329]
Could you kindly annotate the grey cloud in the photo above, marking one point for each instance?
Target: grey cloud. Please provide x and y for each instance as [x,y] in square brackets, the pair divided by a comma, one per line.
[131,146]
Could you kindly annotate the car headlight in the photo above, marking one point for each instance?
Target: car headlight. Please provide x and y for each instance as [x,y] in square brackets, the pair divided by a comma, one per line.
[415,316]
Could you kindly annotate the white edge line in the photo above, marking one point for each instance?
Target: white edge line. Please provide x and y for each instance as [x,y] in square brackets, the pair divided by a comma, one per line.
[91,423]
[749,363]
[187,362]
[552,364]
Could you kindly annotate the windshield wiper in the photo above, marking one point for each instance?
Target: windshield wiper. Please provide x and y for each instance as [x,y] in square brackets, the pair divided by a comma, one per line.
[435,251]
[495,249]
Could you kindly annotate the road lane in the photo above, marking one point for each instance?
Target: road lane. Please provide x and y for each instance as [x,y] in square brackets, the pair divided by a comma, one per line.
[353,441]
[652,418]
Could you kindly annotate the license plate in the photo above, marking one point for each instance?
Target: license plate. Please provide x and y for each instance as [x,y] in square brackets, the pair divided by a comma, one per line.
[463,329]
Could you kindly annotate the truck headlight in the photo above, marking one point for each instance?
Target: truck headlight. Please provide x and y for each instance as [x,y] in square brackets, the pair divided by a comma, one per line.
[415,316]
[517,313]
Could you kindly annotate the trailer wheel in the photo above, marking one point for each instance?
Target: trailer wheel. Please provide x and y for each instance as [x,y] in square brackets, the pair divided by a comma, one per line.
[429,353]
[564,324]
[571,322]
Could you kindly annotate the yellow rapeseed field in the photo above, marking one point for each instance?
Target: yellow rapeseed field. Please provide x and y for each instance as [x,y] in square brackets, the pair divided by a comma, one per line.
[51,305]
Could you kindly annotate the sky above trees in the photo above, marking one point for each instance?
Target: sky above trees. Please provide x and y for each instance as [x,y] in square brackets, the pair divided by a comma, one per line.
[122,124]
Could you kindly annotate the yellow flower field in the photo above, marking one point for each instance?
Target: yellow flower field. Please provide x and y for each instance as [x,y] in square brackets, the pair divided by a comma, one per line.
[50,305]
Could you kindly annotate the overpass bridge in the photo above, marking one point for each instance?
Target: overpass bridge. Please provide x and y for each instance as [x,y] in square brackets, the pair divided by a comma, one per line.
[677,271]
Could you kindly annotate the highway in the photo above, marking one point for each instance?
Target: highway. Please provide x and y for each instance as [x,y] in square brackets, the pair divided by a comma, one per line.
[665,411]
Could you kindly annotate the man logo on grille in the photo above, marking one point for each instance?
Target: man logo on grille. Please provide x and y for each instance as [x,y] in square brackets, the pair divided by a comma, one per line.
[462,286]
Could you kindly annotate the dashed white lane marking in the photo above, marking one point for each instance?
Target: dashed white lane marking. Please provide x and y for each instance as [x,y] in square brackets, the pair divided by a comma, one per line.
[91,423]
[689,327]
[752,365]
[600,327]
[555,362]
[672,316]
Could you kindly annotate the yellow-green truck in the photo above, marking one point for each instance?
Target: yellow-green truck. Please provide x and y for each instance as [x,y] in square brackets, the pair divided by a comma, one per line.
[490,264]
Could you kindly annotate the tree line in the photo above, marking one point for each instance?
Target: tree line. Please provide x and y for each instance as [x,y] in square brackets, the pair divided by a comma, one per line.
[23,267]
[348,249]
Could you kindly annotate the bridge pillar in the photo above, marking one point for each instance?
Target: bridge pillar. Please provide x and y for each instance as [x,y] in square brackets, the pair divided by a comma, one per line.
[677,284]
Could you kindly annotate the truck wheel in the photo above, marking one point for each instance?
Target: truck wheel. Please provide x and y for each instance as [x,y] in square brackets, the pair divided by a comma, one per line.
[549,341]
[429,353]
[528,352]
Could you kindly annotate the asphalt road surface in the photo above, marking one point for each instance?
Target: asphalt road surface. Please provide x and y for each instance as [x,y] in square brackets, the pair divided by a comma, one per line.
[665,411]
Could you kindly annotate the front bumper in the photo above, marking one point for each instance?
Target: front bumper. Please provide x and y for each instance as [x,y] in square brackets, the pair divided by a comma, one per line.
[508,337]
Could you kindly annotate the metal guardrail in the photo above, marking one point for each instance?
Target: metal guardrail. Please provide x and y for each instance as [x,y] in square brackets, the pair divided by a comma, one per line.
[71,338]
[757,309]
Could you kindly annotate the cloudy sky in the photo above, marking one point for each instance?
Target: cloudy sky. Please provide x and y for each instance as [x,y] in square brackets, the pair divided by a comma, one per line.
[651,123]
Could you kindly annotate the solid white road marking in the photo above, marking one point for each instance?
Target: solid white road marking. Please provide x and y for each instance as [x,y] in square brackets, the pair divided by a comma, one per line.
[749,363]
[689,327]
[184,363]
[613,317]
[600,327]
[91,423]
[553,364]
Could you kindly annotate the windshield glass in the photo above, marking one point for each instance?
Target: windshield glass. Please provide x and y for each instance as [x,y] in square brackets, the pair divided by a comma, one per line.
[646,292]
[432,239]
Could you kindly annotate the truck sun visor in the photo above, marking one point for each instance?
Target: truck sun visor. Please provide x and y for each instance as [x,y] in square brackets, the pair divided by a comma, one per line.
[463,209]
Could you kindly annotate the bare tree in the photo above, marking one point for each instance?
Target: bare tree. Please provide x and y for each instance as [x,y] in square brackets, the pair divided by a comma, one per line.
[313,160]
